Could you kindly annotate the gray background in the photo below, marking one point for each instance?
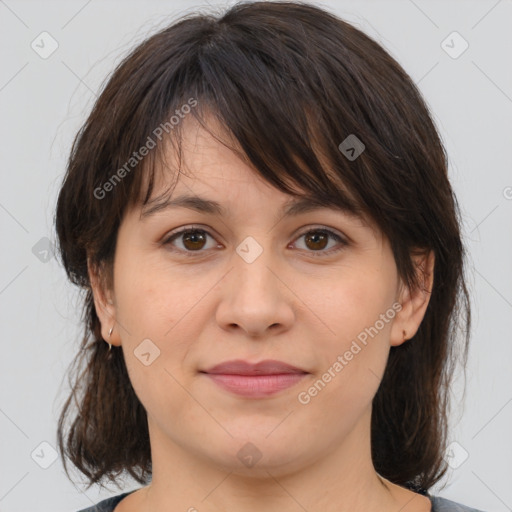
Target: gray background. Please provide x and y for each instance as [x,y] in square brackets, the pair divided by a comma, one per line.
[44,101]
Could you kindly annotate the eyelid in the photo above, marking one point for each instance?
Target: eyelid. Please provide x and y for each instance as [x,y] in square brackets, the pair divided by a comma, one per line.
[183,229]
[321,227]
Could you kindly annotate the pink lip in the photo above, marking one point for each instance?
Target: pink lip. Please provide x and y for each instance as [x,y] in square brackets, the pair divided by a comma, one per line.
[240,367]
[255,380]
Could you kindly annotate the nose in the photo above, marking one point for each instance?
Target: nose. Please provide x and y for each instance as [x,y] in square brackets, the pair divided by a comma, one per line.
[255,297]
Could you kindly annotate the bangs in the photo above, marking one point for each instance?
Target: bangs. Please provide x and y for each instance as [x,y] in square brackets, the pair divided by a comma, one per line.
[269,115]
[282,168]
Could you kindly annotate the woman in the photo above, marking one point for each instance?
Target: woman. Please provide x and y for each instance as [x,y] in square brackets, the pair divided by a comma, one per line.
[259,212]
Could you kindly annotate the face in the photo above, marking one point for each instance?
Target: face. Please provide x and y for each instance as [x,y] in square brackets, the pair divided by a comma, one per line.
[318,291]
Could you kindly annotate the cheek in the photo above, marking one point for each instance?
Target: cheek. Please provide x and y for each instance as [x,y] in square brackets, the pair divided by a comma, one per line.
[151,297]
[152,311]
[355,315]
[352,305]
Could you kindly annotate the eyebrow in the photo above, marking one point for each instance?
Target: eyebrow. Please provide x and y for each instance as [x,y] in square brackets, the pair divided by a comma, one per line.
[292,207]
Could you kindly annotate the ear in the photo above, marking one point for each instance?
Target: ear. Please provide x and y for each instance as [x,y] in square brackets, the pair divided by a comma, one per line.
[104,303]
[414,302]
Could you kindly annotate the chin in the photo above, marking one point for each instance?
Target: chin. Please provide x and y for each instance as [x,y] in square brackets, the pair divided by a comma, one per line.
[258,455]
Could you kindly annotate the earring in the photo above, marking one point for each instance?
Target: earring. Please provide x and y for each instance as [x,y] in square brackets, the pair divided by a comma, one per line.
[404,336]
[110,334]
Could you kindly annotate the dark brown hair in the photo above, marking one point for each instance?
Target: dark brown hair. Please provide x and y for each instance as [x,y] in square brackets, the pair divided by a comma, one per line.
[289,82]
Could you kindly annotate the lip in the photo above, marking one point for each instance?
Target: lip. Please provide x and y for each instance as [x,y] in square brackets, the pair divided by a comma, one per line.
[241,367]
[255,380]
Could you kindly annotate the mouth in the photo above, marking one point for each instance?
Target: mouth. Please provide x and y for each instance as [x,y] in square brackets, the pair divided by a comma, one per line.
[255,380]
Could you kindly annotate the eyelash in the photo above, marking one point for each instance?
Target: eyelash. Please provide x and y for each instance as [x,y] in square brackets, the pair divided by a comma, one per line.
[319,253]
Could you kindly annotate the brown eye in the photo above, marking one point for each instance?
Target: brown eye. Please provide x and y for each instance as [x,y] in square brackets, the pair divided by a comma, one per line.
[316,240]
[193,240]
[190,240]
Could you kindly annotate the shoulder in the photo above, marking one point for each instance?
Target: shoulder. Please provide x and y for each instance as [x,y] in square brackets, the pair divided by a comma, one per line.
[444,505]
[106,505]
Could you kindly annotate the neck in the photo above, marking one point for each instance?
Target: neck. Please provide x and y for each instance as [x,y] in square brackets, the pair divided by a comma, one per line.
[342,479]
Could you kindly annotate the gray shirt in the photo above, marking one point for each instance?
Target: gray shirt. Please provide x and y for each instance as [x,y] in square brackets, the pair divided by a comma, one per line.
[438,504]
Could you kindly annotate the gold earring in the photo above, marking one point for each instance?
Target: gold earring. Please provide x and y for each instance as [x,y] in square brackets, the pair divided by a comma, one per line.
[110,334]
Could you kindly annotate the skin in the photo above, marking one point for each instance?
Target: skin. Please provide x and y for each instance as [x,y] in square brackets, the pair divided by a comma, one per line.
[289,305]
